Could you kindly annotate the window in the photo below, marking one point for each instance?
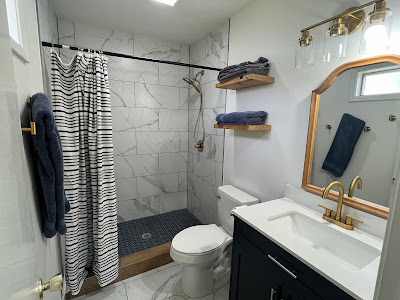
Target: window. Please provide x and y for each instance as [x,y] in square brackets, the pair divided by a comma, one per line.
[380,83]
[13,20]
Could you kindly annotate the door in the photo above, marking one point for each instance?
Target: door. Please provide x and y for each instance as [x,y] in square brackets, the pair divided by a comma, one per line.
[25,255]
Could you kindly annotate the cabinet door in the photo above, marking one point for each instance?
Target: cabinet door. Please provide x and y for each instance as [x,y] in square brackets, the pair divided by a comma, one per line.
[255,279]
[289,294]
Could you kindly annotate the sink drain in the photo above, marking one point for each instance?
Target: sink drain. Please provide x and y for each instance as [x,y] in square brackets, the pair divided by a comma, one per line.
[146,236]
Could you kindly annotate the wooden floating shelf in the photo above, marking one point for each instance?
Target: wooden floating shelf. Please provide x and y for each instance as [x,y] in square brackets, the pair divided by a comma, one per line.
[247,81]
[244,127]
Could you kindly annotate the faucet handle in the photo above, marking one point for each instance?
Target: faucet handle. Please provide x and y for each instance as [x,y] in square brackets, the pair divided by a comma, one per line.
[328,211]
[349,220]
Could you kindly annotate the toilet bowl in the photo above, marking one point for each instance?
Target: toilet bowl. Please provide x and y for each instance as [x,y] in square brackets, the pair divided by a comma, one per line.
[204,251]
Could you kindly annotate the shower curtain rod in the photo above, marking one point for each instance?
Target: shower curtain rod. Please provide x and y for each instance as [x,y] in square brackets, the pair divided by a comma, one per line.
[46,44]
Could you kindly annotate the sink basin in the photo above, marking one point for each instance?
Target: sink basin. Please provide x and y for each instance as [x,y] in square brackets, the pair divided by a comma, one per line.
[327,240]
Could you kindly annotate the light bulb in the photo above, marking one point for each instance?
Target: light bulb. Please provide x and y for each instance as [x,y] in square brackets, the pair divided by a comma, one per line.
[375,37]
[376,30]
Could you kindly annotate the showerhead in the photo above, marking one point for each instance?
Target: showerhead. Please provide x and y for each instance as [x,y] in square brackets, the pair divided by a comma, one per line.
[187,80]
[193,81]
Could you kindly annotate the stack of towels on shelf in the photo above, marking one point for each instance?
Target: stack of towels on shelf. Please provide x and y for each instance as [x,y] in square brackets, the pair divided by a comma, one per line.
[242,118]
[260,67]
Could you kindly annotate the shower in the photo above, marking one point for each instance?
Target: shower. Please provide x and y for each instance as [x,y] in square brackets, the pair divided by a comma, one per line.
[200,117]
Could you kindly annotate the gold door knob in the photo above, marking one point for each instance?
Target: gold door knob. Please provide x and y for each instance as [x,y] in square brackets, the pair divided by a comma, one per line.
[55,284]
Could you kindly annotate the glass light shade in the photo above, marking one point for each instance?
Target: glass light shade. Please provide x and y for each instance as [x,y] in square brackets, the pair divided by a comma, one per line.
[335,46]
[376,32]
[304,55]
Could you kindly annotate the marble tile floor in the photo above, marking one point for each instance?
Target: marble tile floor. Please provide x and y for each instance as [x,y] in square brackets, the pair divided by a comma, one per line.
[162,283]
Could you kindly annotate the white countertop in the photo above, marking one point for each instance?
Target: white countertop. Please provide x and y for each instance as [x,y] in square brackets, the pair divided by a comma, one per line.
[360,284]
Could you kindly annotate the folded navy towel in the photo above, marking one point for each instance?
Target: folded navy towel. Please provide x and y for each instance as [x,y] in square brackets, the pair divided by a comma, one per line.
[243,118]
[50,166]
[342,148]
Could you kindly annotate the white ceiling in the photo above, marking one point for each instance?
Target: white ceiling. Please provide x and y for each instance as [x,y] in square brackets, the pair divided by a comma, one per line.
[186,22]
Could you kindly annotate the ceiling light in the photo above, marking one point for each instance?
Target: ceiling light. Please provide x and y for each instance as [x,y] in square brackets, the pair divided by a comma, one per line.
[168,2]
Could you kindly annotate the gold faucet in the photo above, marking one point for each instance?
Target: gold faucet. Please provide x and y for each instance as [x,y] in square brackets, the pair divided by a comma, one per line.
[356,180]
[337,220]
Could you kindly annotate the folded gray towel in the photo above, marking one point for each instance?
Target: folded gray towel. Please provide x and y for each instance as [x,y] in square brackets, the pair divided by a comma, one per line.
[50,166]
[261,61]
[261,67]
[243,118]
[240,74]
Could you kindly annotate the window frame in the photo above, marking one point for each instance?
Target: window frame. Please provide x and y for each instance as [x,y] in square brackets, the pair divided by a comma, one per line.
[358,81]
[18,49]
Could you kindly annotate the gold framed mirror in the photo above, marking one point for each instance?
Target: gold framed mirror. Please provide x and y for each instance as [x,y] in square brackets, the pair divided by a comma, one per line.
[353,77]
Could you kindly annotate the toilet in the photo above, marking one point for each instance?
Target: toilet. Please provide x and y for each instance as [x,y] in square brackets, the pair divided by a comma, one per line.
[205,251]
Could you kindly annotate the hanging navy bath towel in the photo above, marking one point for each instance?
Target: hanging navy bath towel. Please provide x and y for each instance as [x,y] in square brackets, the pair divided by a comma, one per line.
[342,148]
[50,166]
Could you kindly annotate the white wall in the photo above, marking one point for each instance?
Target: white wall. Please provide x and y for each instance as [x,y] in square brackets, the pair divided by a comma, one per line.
[388,282]
[205,168]
[262,163]
[375,153]
[48,30]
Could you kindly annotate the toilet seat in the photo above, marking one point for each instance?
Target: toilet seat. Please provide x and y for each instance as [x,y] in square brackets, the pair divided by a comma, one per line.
[199,240]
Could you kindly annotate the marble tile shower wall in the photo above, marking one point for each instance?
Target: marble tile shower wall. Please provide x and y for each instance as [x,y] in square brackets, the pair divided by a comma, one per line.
[49,33]
[150,118]
[205,169]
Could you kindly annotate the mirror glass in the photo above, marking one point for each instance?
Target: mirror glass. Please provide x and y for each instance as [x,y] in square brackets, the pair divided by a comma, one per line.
[357,134]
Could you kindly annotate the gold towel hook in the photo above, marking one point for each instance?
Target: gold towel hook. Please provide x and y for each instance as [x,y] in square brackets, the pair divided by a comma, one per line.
[32,128]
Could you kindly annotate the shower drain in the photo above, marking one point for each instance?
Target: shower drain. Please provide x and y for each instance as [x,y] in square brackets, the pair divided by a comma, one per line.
[146,235]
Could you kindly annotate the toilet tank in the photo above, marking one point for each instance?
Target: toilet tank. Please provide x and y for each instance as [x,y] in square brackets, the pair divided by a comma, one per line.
[230,197]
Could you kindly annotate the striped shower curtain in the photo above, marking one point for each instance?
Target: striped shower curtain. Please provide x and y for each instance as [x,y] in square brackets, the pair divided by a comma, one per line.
[82,110]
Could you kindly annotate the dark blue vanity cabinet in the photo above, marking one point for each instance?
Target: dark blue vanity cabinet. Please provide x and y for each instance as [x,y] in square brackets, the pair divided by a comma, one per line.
[262,270]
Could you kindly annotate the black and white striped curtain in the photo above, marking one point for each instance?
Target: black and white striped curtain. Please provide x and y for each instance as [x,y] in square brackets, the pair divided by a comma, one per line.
[82,110]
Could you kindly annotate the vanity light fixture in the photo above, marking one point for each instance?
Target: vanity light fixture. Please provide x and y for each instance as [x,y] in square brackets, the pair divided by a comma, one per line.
[335,41]
[168,2]
[304,50]
[376,33]
[377,28]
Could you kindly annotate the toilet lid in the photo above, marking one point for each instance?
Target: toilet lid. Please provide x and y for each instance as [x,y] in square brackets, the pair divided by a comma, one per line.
[199,239]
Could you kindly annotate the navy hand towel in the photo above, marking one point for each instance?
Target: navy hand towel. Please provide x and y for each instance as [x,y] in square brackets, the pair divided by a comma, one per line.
[342,148]
[243,118]
[50,166]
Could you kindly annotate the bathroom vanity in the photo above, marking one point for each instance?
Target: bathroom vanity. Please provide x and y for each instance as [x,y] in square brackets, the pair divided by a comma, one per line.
[283,250]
